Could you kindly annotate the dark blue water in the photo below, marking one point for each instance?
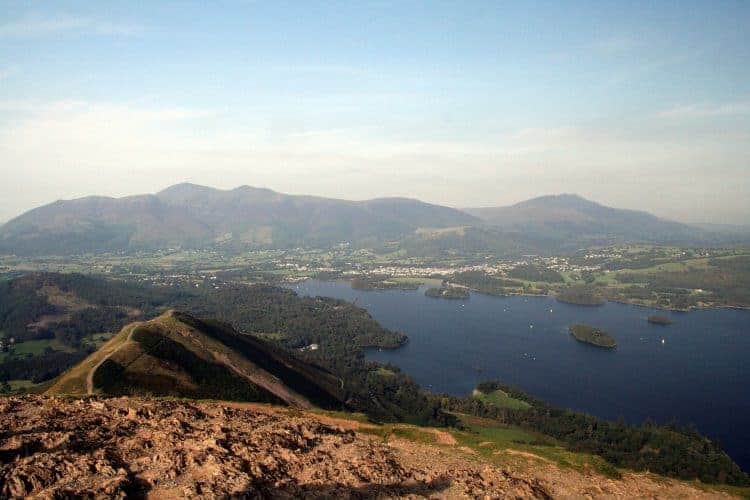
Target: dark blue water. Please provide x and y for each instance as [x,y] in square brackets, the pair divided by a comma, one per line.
[696,370]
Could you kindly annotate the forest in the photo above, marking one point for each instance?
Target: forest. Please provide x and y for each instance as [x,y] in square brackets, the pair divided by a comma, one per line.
[582,295]
[339,328]
[531,272]
[725,280]
[670,450]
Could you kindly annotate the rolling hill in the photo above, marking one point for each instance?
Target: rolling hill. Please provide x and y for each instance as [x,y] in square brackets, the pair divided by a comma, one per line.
[179,355]
[568,218]
[188,216]
[466,240]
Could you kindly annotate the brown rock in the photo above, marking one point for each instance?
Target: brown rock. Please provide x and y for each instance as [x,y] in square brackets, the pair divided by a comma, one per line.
[171,449]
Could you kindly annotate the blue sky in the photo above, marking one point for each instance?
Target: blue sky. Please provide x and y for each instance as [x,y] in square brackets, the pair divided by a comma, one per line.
[633,104]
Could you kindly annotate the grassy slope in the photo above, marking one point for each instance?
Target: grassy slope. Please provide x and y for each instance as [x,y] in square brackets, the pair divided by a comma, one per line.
[134,356]
[206,355]
[501,399]
[73,381]
[502,445]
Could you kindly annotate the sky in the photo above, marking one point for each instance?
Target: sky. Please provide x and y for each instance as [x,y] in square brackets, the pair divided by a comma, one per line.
[632,104]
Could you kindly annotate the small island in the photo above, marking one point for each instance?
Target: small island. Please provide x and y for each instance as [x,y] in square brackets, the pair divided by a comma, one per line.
[450,292]
[656,319]
[593,336]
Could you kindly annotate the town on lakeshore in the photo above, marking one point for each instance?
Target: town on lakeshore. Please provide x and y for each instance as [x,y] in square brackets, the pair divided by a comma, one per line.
[656,276]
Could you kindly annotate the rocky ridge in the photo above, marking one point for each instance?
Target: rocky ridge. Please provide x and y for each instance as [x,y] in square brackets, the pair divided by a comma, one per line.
[135,447]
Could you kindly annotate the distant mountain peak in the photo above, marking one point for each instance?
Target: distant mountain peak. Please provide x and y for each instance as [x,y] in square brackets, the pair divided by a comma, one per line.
[186,187]
[561,196]
[559,200]
[249,189]
[571,217]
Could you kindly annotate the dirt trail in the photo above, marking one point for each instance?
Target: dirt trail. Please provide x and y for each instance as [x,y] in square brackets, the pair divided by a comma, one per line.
[90,375]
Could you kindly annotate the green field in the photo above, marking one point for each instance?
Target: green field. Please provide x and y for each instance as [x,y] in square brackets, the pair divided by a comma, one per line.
[16,385]
[488,437]
[36,347]
[501,399]
[679,266]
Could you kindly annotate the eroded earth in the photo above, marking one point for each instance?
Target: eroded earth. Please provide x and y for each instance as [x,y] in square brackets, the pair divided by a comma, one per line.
[136,447]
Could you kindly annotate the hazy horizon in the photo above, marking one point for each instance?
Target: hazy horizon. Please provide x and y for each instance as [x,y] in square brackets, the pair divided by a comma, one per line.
[630,104]
[461,207]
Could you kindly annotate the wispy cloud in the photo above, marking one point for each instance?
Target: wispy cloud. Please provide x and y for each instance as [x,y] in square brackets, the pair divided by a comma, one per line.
[39,27]
[707,110]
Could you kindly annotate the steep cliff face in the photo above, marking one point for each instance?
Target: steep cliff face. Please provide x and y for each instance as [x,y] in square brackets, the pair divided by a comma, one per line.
[136,447]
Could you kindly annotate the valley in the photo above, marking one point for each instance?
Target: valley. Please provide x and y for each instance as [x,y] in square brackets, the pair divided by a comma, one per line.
[562,245]
[330,326]
[374,250]
[672,278]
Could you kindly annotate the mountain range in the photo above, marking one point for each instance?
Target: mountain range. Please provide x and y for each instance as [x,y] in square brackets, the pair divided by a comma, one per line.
[188,215]
[193,216]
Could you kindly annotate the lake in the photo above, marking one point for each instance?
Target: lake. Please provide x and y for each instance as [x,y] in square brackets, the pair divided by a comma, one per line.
[696,370]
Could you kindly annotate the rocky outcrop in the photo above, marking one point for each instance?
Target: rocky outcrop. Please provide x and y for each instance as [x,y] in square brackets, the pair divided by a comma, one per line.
[134,447]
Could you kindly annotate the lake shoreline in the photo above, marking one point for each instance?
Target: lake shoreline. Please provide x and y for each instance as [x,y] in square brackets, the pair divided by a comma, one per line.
[550,295]
[526,344]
